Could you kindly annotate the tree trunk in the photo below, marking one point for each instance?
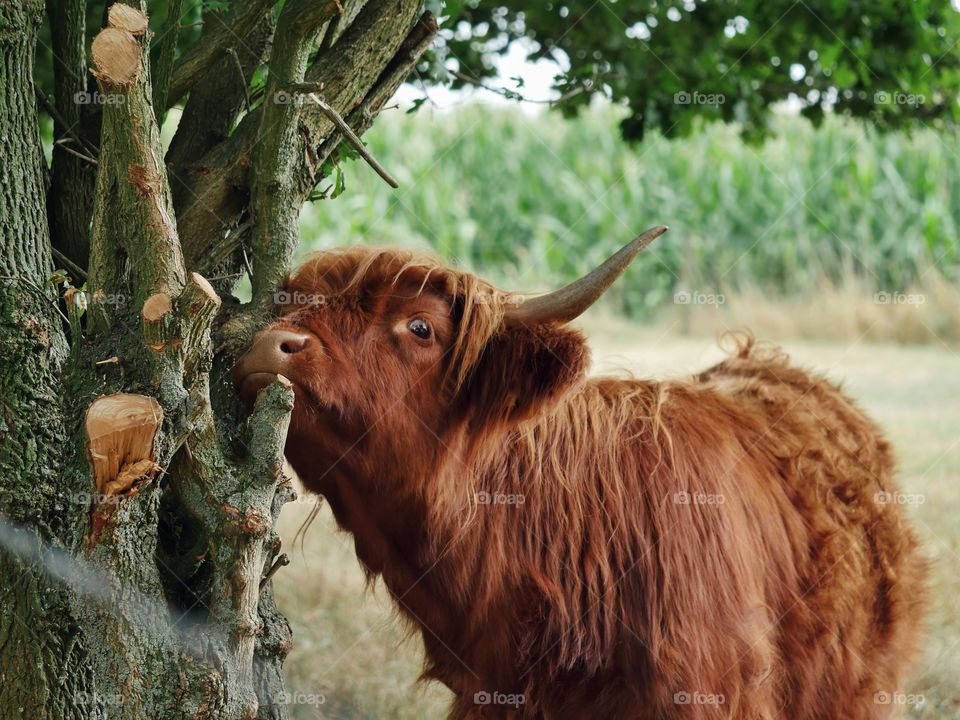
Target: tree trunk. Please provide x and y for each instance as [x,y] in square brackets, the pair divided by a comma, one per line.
[43,666]
[137,501]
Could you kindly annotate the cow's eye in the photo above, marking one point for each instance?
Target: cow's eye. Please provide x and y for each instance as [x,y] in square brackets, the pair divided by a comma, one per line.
[420,328]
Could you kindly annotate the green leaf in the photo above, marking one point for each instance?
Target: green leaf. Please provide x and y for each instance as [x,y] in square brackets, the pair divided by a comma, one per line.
[416,104]
[339,184]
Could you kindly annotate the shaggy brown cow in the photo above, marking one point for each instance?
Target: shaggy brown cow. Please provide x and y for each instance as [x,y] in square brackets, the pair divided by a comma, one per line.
[573,547]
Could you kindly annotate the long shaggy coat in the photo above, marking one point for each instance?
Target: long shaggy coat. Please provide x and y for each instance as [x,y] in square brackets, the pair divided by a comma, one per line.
[720,546]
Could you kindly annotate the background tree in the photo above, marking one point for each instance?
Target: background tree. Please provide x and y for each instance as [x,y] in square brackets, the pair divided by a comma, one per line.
[893,62]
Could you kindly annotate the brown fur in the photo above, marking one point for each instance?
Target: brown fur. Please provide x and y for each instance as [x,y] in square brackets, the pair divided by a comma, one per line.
[782,585]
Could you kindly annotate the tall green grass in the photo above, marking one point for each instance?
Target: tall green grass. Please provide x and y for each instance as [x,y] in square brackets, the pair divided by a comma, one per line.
[533,199]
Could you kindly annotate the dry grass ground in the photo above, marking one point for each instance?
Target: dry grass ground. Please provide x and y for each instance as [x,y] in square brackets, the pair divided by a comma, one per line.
[350,649]
[829,311]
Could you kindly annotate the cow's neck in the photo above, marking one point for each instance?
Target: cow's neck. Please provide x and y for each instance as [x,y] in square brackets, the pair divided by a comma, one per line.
[445,582]
[437,580]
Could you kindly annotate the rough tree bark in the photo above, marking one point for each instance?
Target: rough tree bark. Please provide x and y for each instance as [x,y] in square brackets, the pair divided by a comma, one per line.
[137,502]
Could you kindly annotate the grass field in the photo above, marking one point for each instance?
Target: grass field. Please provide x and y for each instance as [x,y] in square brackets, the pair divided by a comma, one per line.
[350,650]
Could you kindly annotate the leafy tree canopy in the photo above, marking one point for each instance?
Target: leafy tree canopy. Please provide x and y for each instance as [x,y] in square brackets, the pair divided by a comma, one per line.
[894,62]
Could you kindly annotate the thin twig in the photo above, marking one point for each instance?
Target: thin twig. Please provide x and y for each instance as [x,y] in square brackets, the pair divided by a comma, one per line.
[71,265]
[281,561]
[62,144]
[229,276]
[61,121]
[194,62]
[246,262]
[520,97]
[39,290]
[423,86]
[232,52]
[348,133]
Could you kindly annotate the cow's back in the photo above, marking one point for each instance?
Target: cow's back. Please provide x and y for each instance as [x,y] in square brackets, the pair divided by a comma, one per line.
[849,634]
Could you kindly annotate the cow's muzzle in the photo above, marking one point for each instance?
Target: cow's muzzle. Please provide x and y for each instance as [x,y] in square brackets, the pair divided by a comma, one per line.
[273,352]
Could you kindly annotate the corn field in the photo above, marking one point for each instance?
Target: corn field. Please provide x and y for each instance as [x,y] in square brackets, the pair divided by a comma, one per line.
[532,199]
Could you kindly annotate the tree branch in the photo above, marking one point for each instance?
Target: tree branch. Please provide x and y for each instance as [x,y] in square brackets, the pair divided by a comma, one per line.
[351,136]
[361,119]
[337,26]
[276,158]
[163,66]
[349,72]
[212,47]
[208,117]
[133,225]
[78,272]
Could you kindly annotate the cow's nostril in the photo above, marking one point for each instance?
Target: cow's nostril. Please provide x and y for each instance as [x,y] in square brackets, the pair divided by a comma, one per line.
[293,344]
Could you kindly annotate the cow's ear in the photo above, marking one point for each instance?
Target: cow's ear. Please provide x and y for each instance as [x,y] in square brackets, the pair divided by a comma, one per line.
[522,371]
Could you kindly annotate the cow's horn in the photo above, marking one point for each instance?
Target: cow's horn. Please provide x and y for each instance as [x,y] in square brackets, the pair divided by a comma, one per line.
[565,304]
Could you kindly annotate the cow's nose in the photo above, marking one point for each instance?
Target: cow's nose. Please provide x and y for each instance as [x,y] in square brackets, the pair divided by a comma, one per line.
[271,353]
[290,342]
